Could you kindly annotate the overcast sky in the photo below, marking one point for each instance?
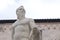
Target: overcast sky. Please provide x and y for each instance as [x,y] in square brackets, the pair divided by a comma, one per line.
[36,9]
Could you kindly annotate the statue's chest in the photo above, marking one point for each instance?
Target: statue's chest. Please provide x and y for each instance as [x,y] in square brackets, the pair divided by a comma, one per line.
[22,28]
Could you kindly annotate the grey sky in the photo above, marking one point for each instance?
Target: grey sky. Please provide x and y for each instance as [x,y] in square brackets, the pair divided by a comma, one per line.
[37,9]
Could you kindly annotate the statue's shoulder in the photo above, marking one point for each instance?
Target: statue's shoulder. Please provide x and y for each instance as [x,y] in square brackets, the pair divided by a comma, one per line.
[29,19]
[15,23]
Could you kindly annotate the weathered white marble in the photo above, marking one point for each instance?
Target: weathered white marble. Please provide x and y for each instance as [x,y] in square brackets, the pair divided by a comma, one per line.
[23,27]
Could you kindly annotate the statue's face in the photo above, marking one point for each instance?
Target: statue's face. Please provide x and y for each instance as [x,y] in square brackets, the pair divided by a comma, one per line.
[20,12]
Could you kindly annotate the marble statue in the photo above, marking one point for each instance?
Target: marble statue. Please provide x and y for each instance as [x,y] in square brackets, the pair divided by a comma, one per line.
[22,29]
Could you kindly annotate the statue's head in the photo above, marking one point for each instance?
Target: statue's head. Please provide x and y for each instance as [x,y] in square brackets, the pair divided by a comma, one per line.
[20,12]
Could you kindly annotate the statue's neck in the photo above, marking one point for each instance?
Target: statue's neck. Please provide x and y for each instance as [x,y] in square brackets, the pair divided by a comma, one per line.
[21,18]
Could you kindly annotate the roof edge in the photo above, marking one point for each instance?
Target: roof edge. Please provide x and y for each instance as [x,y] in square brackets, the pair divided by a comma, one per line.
[36,20]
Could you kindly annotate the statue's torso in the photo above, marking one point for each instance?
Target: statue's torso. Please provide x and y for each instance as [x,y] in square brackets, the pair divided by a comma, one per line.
[22,31]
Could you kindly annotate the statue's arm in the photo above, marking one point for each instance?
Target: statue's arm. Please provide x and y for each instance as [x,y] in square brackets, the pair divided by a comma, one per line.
[13,29]
[30,36]
[32,24]
[33,27]
[13,25]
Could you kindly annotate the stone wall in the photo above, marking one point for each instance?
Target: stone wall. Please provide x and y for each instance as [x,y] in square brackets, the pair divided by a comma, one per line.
[5,33]
[50,31]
